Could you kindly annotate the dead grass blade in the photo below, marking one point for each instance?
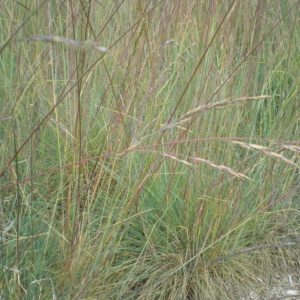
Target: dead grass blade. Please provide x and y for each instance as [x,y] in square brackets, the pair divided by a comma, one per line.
[251,249]
[62,126]
[6,229]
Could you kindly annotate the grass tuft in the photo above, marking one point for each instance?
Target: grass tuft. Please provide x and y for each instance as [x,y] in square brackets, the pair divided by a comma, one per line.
[148,149]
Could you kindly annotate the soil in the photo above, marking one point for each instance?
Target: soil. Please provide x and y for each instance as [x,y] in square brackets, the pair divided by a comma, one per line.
[281,286]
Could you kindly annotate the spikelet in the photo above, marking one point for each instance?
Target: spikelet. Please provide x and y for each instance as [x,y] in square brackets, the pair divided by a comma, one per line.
[177,159]
[196,159]
[226,102]
[85,45]
[293,148]
[220,167]
[265,151]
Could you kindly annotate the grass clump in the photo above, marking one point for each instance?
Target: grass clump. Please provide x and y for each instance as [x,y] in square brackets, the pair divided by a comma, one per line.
[149,149]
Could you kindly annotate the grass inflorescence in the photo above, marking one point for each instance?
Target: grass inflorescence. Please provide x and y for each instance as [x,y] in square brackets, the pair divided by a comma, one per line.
[149,149]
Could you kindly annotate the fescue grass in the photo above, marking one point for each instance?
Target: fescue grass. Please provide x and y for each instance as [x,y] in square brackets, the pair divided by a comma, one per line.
[149,149]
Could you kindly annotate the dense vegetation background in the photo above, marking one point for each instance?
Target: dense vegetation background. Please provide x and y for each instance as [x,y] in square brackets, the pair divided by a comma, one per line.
[134,173]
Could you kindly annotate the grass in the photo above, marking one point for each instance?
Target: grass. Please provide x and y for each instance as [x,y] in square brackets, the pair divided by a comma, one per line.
[149,149]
